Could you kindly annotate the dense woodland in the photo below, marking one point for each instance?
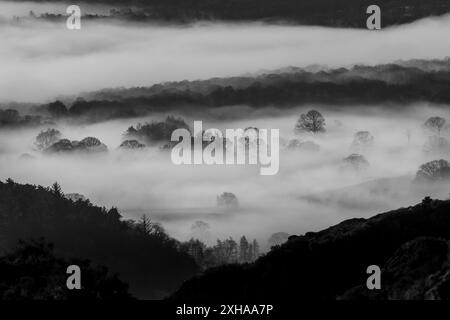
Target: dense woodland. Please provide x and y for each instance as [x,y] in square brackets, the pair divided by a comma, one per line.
[334,13]
[402,83]
[143,255]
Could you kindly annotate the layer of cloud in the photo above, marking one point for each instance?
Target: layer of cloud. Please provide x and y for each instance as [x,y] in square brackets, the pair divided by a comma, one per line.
[41,60]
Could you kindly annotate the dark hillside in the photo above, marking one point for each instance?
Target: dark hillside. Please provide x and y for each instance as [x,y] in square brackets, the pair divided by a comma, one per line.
[326,264]
[143,255]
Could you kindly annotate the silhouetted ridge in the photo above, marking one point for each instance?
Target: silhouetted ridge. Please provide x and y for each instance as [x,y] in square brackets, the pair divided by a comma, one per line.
[324,265]
[334,13]
[144,255]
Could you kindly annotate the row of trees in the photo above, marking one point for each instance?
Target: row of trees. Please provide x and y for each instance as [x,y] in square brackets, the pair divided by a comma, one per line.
[11,118]
[226,251]
[283,90]
[51,141]
[314,122]
[348,13]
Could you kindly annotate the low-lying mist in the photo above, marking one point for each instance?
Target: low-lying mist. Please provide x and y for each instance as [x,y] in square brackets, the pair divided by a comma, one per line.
[50,60]
[311,190]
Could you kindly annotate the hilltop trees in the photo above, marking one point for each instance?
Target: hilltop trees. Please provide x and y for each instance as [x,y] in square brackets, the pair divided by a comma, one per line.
[312,121]
[224,252]
[88,145]
[131,145]
[436,170]
[156,131]
[46,138]
[11,118]
[57,109]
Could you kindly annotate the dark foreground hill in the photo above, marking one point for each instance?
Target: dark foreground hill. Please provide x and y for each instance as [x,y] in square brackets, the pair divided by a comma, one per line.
[140,253]
[32,272]
[410,245]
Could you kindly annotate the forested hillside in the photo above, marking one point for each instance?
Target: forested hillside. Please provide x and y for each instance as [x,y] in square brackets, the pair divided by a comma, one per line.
[401,83]
[142,254]
[410,245]
[334,13]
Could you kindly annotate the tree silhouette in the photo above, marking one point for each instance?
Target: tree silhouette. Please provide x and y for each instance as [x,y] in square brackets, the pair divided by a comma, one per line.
[356,162]
[362,140]
[435,170]
[243,250]
[32,272]
[46,138]
[435,124]
[81,229]
[312,121]
[227,200]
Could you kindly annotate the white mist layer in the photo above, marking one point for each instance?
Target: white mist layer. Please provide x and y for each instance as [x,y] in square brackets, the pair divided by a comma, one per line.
[41,60]
[149,183]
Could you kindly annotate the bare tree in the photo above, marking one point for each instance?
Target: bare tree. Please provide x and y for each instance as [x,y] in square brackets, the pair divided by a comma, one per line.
[46,138]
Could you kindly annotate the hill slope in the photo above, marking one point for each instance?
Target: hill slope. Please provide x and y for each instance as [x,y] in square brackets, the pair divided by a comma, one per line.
[332,263]
[144,256]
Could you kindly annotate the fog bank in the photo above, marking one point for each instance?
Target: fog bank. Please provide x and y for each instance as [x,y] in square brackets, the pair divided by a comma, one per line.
[41,60]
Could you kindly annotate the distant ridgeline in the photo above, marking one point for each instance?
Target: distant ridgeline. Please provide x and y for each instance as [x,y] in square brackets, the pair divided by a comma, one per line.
[401,83]
[334,13]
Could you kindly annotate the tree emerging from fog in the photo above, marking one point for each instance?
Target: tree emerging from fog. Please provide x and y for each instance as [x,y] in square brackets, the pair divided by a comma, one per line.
[312,121]
[437,146]
[362,141]
[227,200]
[224,252]
[156,131]
[436,170]
[435,124]
[46,138]
[356,162]
[131,145]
